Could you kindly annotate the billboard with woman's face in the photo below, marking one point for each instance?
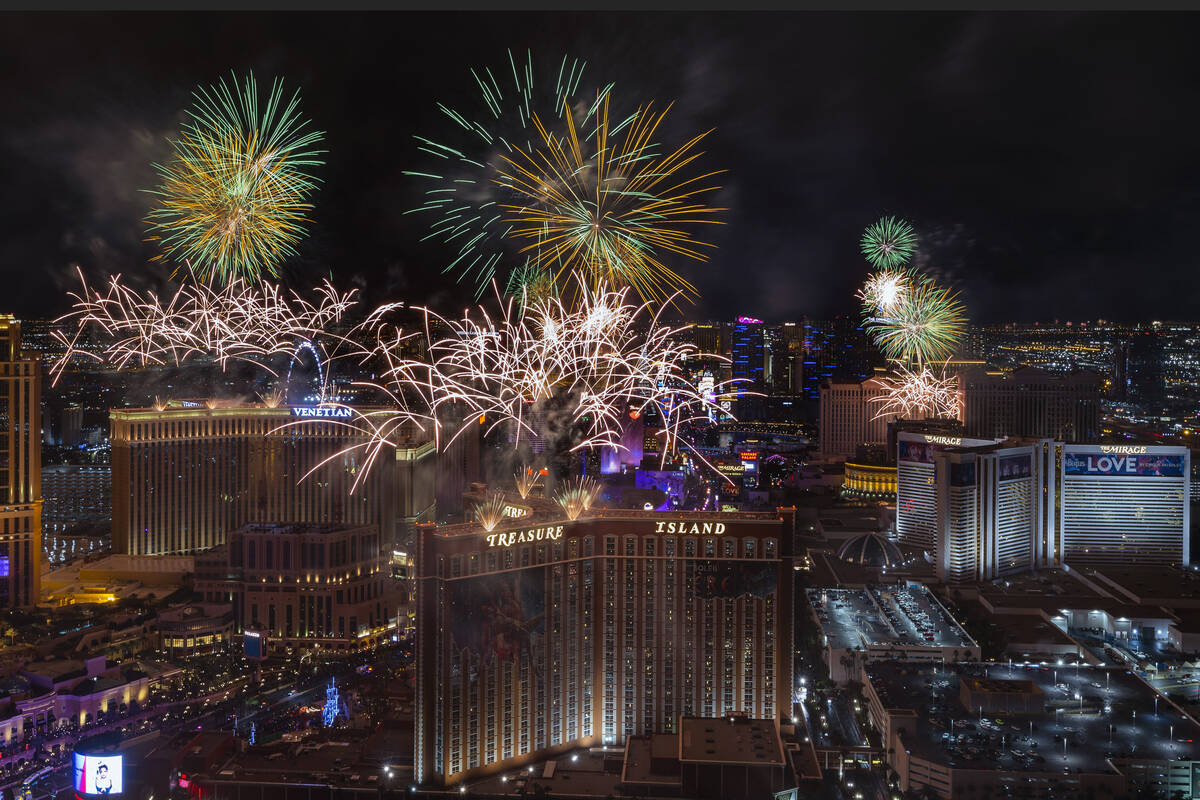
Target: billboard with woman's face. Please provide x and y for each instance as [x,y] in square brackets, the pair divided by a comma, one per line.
[98,775]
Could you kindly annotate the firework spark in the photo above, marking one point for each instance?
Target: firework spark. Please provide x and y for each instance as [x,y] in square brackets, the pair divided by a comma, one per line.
[884,291]
[463,195]
[919,394]
[606,204]
[237,322]
[234,196]
[526,480]
[577,497]
[490,511]
[599,360]
[889,243]
[924,327]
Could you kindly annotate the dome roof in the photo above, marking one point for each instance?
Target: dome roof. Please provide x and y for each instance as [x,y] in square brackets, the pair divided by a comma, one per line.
[870,550]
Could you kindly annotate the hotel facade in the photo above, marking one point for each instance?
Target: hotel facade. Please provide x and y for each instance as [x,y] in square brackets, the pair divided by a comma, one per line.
[998,508]
[537,638]
[186,475]
[20,469]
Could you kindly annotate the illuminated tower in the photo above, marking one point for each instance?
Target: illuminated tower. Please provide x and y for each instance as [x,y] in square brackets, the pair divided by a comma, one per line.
[20,470]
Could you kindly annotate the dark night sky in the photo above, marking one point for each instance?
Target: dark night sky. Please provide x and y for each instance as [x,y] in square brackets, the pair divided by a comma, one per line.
[1050,161]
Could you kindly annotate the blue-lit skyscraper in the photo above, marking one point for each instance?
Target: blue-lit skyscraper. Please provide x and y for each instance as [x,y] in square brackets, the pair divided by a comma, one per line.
[747,354]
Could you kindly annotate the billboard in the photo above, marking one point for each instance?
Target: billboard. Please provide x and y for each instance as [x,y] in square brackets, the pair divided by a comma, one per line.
[254,644]
[1122,464]
[499,617]
[962,474]
[98,775]
[733,579]
[1014,467]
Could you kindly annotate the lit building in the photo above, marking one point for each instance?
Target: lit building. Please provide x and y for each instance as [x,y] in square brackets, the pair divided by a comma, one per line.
[748,359]
[849,417]
[20,469]
[870,480]
[539,638]
[916,510]
[75,494]
[1119,504]
[183,477]
[305,585]
[1030,401]
[997,508]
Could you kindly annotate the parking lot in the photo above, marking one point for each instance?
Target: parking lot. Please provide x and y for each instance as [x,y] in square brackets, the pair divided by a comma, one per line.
[918,619]
[1092,715]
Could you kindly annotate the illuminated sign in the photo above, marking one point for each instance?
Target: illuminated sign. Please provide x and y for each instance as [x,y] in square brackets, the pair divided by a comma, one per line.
[952,441]
[748,456]
[509,538]
[322,412]
[515,511]
[1130,449]
[731,469]
[690,527]
[1142,465]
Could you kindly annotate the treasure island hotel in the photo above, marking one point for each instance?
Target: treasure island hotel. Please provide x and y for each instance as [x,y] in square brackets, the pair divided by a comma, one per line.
[20,469]
[545,634]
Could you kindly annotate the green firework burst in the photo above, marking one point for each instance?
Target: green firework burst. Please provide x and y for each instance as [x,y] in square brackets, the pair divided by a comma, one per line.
[889,243]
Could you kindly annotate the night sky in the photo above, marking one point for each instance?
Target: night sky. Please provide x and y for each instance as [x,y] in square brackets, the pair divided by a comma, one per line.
[1050,161]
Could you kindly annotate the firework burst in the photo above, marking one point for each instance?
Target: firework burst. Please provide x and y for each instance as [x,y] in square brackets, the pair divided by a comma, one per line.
[889,243]
[234,197]
[606,204]
[924,327]
[463,196]
[237,322]
[918,394]
[884,291]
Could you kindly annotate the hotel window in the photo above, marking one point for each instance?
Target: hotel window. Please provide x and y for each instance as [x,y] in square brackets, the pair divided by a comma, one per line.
[689,547]
[770,548]
[610,545]
[730,547]
[649,546]
[572,548]
[630,545]
[669,546]
[751,546]
[710,546]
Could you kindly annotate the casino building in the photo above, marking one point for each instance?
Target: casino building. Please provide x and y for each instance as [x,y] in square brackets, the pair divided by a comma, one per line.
[1003,507]
[186,474]
[544,634]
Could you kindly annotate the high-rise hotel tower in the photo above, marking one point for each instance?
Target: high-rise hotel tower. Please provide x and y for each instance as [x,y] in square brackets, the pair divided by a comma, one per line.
[185,475]
[20,470]
[544,634]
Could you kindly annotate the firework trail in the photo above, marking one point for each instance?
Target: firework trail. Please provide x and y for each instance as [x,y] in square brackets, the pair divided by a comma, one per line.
[234,197]
[527,479]
[236,322]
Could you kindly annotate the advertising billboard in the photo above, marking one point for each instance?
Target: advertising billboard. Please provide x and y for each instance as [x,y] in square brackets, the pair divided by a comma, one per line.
[254,644]
[98,774]
[499,617]
[962,474]
[1014,467]
[733,579]
[1118,464]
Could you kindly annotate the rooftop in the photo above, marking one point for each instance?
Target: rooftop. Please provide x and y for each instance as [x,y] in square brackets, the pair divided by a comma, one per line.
[891,615]
[733,740]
